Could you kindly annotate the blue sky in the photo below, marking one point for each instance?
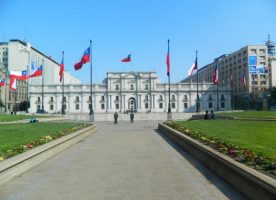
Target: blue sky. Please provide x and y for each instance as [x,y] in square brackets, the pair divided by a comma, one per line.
[138,27]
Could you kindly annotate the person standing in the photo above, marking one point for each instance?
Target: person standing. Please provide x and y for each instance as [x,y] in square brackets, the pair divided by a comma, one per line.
[116,118]
[131,117]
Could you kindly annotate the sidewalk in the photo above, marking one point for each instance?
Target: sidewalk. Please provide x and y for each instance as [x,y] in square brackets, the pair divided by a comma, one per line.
[123,161]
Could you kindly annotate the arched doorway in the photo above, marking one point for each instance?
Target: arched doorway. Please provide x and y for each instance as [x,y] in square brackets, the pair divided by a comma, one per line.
[132,104]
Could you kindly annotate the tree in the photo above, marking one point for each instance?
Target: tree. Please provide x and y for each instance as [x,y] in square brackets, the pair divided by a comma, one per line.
[273,95]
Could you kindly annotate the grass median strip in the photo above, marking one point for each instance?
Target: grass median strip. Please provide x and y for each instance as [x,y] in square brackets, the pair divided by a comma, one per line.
[9,118]
[17,138]
[252,114]
[250,142]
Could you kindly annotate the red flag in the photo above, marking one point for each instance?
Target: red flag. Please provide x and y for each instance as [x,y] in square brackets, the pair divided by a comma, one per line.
[2,82]
[168,60]
[61,69]
[127,59]
[37,72]
[215,75]
[85,58]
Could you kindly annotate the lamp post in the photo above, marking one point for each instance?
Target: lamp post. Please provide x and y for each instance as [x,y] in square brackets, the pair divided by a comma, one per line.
[28,50]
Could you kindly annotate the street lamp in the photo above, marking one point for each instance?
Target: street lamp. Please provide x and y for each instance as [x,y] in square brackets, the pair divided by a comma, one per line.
[28,50]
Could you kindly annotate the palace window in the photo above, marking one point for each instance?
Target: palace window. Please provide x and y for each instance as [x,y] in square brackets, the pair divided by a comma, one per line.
[173,105]
[146,98]
[185,105]
[146,105]
[185,97]
[51,99]
[102,98]
[160,98]
[77,106]
[160,105]
[117,87]
[117,98]
[117,106]
[102,106]
[131,87]
[77,99]
[222,105]
[51,107]
[210,105]
[173,97]
[146,87]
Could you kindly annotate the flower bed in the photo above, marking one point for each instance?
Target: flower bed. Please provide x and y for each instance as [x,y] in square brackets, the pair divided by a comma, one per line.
[40,141]
[250,158]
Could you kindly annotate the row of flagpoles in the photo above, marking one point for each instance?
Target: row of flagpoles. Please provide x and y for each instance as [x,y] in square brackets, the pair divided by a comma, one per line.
[87,57]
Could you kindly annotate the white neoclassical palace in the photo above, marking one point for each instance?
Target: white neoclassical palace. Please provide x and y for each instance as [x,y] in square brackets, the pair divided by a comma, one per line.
[123,91]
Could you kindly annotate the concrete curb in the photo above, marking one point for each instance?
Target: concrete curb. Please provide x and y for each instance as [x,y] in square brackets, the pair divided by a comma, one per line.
[21,163]
[251,183]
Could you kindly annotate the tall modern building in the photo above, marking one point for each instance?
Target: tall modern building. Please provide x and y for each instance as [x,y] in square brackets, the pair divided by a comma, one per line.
[250,71]
[17,55]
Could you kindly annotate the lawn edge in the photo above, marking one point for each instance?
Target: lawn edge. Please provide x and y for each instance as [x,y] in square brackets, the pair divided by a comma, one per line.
[17,165]
[249,182]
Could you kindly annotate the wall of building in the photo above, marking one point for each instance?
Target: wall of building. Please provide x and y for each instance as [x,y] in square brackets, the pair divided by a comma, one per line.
[108,97]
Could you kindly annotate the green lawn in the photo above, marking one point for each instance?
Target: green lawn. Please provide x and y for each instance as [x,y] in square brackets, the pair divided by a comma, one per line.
[257,136]
[14,135]
[8,117]
[252,114]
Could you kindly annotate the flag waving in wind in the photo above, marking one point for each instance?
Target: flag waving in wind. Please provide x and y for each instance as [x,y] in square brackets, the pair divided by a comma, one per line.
[193,67]
[127,59]
[168,59]
[35,72]
[85,58]
[2,82]
[21,75]
[215,75]
[61,69]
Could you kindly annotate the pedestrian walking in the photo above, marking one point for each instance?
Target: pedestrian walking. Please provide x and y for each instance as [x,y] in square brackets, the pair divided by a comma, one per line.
[131,117]
[116,118]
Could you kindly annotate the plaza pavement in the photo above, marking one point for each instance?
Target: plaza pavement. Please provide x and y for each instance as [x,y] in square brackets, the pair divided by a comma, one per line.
[125,162]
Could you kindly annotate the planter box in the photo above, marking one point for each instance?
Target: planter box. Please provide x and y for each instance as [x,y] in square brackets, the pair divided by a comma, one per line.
[251,183]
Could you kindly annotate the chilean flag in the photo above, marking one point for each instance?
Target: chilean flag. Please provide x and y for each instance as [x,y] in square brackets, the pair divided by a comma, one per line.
[215,75]
[168,60]
[12,84]
[61,69]
[37,72]
[193,67]
[2,82]
[85,58]
[127,59]
[21,75]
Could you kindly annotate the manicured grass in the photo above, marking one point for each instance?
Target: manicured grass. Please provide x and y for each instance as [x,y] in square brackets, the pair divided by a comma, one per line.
[252,114]
[257,136]
[14,135]
[8,118]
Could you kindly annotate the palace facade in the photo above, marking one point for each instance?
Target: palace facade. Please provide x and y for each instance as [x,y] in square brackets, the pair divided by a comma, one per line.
[125,91]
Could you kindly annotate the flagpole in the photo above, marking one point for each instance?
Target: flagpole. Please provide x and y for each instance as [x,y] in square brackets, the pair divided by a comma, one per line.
[169,74]
[27,88]
[217,86]
[62,101]
[42,86]
[197,96]
[232,91]
[91,106]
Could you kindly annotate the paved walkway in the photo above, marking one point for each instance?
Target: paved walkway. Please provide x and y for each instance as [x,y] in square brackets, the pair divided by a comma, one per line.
[125,162]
